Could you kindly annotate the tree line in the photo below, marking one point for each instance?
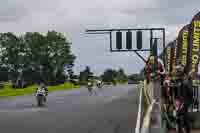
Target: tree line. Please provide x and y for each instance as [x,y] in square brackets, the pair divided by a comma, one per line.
[34,56]
[109,75]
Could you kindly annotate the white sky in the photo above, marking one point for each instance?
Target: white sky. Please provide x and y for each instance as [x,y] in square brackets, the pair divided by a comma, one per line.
[74,16]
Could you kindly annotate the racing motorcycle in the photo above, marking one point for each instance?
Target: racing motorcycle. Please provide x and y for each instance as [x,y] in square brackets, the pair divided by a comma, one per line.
[40,96]
[99,84]
[90,87]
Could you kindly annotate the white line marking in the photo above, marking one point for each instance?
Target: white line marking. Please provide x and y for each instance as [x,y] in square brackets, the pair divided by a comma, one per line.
[137,129]
[23,110]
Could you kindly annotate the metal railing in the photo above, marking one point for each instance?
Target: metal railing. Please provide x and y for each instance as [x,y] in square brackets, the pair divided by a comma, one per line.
[147,103]
[148,108]
[195,105]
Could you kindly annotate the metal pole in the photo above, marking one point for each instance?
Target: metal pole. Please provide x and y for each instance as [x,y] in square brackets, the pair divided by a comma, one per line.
[140,56]
[98,30]
[198,97]
[164,50]
[110,41]
[124,50]
[151,41]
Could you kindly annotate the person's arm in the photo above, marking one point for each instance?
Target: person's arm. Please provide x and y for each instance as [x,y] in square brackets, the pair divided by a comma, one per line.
[46,89]
[161,69]
[167,87]
[146,72]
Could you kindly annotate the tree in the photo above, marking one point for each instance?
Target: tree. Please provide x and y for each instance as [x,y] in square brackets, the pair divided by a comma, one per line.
[109,75]
[50,55]
[41,56]
[85,74]
[121,76]
[36,52]
[135,77]
[3,73]
[69,69]
[12,55]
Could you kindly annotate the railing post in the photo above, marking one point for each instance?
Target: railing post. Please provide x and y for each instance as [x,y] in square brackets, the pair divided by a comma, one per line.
[156,125]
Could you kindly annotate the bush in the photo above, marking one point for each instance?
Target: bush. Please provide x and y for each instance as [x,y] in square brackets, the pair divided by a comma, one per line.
[21,84]
[1,85]
[74,82]
[9,91]
[55,83]
[52,83]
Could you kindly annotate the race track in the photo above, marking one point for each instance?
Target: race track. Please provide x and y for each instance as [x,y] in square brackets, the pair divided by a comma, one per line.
[112,110]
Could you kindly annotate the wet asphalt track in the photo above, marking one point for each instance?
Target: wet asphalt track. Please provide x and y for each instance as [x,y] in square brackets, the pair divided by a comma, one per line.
[113,110]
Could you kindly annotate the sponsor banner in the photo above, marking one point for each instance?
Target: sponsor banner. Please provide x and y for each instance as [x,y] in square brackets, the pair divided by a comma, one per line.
[168,57]
[169,52]
[182,45]
[174,47]
[194,41]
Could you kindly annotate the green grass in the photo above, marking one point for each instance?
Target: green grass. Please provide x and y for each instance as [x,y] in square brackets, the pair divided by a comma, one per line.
[8,91]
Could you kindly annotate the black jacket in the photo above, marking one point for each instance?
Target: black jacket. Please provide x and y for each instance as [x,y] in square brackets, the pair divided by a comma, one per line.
[188,91]
[184,90]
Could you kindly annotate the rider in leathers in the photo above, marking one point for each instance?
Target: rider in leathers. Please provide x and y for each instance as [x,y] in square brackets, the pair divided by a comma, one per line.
[42,85]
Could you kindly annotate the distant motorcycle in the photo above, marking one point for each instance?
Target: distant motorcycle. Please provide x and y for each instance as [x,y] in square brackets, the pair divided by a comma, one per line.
[90,87]
[99,84]
[40,96]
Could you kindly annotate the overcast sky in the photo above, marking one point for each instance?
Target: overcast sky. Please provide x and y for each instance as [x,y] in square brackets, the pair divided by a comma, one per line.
[74,16]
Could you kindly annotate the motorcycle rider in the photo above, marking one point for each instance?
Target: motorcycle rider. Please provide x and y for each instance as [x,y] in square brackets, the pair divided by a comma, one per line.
[90,86]
[99,83]
[43,86]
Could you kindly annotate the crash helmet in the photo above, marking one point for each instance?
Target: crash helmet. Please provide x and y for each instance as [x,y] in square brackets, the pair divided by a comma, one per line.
[89,83]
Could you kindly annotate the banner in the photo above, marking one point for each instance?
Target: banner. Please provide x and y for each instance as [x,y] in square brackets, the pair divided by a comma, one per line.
[194,42]
[168,57]
[174,49]
[169,52]
[182,45]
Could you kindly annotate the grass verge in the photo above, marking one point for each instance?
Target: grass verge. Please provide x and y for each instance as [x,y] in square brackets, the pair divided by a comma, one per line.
[8,91]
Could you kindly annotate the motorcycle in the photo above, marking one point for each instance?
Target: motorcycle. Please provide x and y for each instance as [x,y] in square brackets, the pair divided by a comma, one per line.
[99,85]
[40,96]
[90,87]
